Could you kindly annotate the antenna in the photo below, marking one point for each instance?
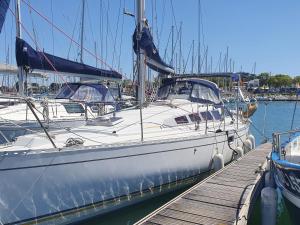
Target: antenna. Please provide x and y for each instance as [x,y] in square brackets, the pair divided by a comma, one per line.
[127,13]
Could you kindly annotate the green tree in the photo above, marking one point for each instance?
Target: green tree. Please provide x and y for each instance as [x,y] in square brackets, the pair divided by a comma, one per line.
[282,80]
[296,80]
[263,78]
[273,82]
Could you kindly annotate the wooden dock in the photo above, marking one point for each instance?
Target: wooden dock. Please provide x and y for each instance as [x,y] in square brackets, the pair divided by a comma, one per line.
[226,197]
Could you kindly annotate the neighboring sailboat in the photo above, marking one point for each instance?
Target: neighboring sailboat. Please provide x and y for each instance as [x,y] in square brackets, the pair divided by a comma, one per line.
[121,158]
[18,120]
[285,166]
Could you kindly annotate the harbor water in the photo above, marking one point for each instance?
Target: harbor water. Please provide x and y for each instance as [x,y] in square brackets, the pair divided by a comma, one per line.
[270,117]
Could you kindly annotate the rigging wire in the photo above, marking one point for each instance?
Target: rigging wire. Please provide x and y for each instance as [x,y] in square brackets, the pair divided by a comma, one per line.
[90,22]
[73,31]
[116,32]
[33,26]
[187,59]
[121,39]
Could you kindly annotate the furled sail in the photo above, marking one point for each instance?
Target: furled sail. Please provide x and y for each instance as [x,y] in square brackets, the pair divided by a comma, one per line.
[31,59]
[4,4]
[153,58]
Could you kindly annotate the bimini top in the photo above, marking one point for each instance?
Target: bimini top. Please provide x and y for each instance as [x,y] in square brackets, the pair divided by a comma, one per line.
[31,59]
[196,90]
[86,92]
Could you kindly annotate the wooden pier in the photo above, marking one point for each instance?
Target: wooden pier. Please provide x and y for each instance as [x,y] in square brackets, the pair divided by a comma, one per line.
[226,197]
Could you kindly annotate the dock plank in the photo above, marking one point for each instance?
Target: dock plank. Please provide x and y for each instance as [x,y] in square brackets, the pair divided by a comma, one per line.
[223,198]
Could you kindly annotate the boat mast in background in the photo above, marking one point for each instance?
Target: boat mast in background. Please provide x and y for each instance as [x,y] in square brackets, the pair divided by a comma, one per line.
[19,35]
[82,31]
[140,54]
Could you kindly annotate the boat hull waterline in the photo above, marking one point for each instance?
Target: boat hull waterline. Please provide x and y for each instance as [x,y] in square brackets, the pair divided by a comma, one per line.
[67,186]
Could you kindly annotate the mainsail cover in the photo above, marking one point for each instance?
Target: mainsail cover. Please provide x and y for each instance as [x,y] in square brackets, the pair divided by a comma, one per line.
[31,59]
[4,4]
[153,58]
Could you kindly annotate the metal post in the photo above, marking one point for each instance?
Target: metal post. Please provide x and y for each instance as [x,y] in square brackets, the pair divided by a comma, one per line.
[82,31]
[192,72]
[199,42]
[142,127]
[206,118]
[19,35]
[85,111]
[41,124]
[172,57]
[140,56]
[141,61]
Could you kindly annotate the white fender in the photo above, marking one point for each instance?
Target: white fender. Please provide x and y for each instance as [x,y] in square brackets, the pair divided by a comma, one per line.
[218,161]
[252,139]
[268,206]
[247,146]
[240,152]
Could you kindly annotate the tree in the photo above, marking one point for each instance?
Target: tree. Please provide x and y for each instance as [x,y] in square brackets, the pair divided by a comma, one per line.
[273,82]
[296,80]
[263,78]
[283,80]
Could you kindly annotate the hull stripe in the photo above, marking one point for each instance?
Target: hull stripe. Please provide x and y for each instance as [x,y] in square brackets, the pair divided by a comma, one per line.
[109,158]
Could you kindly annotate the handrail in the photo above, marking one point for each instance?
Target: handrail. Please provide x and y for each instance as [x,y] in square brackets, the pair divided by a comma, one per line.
[277,141]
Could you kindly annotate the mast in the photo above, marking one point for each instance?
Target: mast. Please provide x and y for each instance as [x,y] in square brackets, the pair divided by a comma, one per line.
[193,57]
[172,57]
[140,54]
[82,31]
[19,35]
[199,41]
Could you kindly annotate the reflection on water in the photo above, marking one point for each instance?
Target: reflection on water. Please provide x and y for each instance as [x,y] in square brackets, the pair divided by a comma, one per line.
[285,212]
[132,214]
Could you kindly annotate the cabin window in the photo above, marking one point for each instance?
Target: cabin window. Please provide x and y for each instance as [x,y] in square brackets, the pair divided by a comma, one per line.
[73,108]
[202,92]
[216,114]
[195,117]
[163,92]
[206,115]
[181,120]
[87,94]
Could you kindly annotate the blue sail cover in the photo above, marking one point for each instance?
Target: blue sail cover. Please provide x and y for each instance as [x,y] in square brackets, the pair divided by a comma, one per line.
[29,58]
[3,9]
[153,59]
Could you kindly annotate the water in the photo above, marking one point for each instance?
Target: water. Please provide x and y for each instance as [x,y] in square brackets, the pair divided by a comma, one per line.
[278,118]
[132,214]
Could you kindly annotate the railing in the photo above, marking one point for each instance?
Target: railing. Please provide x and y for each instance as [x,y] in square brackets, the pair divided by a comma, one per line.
[279,138]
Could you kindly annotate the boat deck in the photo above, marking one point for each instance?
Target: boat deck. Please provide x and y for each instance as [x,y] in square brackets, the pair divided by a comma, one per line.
[226,197]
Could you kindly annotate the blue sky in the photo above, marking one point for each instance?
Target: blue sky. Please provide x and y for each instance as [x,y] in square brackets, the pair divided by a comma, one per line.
[266,32]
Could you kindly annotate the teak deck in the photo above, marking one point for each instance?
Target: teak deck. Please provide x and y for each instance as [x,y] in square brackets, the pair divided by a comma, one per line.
[226,197]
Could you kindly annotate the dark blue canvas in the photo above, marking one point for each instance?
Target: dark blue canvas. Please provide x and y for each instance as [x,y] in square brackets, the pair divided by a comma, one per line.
[146,43]
[29,58]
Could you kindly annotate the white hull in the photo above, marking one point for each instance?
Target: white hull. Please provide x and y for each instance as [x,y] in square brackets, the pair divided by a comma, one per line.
[66,186]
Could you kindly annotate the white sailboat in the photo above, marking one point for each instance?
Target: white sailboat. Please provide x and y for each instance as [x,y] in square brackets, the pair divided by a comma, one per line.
[121,158]
[91,99]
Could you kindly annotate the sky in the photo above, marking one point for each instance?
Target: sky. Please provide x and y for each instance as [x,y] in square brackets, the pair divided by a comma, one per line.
[260,35]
